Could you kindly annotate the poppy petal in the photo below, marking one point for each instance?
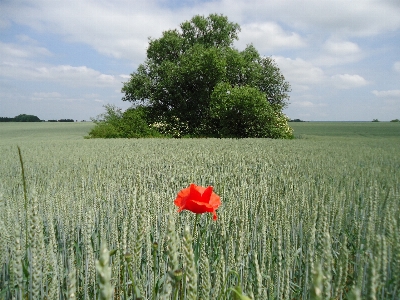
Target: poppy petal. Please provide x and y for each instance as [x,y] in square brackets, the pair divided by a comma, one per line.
[194,193]
[205,197]
[198,207]
[215,200]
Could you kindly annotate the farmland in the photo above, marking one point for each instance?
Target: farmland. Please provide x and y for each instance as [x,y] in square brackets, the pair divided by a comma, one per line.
[317,217]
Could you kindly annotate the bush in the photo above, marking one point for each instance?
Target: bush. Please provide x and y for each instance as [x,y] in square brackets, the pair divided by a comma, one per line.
[134,124]
[117,124]
[395,120]
[242,112]
[104,130]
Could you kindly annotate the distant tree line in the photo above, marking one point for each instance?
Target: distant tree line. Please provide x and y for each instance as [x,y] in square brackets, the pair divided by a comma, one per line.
[296,120]
[395,120]
[5,119]
[30,118]
[21,118]
[62,120]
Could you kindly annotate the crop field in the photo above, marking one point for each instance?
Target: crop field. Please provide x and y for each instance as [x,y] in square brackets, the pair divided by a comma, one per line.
[317,217]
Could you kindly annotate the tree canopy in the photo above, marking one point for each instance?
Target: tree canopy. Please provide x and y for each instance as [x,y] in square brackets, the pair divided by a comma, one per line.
[26,118]
[195,80]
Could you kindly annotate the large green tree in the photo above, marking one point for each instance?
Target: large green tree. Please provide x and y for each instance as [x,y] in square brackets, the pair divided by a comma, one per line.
[178,80]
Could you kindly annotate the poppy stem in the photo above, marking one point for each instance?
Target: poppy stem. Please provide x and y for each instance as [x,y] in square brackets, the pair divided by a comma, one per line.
[195,226]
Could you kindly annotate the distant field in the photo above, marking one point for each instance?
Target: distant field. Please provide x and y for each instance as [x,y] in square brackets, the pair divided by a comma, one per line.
[11,132]
[319,213]
[75,131]
[346,129]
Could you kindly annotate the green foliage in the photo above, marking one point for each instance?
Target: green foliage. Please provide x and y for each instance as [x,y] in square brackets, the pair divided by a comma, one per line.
[5,119]
[184,67]
[243,112]
[395,120]
[117,124]
[134,123]
[104,130]
[375,120]
[26,118]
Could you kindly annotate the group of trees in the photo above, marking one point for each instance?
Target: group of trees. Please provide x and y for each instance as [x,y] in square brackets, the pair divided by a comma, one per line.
[62,120]
[194,83]
[21,118]
[395,120]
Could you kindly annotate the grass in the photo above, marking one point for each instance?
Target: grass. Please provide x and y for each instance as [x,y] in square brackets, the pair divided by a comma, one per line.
[15,132]
[311,218]
[347,129]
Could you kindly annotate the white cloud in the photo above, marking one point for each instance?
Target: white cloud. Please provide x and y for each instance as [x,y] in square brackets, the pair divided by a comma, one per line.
[74,75]
[21,62]
[23,38]
[43,95]
[10,51]
[396,66]
[387,94]
[344,18]
[303,103]
[120,28]
[341,47]
[307,104]
[347,81]
[299,71]
[268,36]
[65,74]
[336,52]
[355,18]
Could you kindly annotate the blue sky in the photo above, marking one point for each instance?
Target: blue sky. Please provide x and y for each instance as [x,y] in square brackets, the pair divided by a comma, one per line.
[66,59]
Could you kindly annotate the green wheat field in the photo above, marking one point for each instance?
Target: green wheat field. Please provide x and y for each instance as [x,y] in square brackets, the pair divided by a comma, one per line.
[317,217]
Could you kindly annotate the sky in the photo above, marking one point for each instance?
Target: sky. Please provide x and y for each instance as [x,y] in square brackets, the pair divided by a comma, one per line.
[67,59]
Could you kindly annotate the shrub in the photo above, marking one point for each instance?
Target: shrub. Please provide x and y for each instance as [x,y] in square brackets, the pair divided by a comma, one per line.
[117,124]
[244,112]
[104,130]
[134,124]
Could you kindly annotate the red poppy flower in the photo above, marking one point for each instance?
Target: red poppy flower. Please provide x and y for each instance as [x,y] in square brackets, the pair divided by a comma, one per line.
[198,199]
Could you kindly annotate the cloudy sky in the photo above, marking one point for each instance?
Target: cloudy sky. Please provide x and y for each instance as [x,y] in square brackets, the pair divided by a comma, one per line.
[66,59]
